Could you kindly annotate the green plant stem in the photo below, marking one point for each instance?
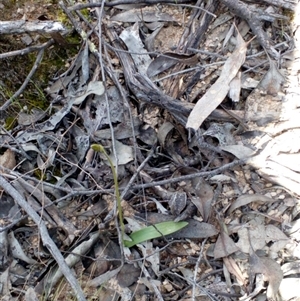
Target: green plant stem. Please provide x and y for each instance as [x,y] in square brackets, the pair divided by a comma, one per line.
[100,148]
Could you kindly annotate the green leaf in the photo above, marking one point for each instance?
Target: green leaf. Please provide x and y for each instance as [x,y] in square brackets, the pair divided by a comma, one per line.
[154,231]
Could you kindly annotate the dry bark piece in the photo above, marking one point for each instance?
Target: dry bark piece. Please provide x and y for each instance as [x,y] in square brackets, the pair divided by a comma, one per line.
[234,269]
[131,37]
[141,86]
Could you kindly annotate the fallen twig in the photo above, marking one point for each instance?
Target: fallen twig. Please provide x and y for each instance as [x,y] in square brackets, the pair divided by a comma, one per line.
[25,83]
[47,241]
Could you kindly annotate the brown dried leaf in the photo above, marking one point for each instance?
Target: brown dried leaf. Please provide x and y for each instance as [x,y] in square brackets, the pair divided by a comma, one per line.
[223,132]
[249,198]
[196,229]
[224,246]
[169,59]
[277,237]
[8,160]
[240,151]
[271,271]
[218,91]
[31,295]
[274,234]
[272,80]
[128,275]
[291,268]
[204,197]
[253,236]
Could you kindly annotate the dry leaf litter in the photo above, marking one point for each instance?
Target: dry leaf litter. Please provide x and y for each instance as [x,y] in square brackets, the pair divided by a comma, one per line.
[197,110]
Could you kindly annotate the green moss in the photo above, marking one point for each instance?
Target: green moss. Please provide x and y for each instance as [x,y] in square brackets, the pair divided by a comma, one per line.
[14,70]
[39,174]
[62,18]
[10,122]
[86,13]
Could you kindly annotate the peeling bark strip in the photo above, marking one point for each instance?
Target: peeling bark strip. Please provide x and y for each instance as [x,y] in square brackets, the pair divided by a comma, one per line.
[13,27]
[243,11]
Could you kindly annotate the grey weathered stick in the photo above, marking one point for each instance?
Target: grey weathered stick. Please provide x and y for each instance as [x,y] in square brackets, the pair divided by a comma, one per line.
[47,241]
[21,26]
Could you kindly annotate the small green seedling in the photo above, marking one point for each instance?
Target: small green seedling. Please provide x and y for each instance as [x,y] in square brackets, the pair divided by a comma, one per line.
[157,230]
[154,231]
[100,148]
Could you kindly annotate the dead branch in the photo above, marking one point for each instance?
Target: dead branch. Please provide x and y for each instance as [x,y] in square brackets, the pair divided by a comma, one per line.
[14,27]
[123,2]
[244,11]
[47,241]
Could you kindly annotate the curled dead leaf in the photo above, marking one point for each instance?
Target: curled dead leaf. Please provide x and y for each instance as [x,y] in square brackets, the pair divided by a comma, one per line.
[7,160]
[204,197]
[270,269]
[224,246]
[218,91]
[249,198]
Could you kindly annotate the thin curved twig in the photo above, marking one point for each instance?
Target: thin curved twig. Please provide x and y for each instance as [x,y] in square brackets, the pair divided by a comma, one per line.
[25,83]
